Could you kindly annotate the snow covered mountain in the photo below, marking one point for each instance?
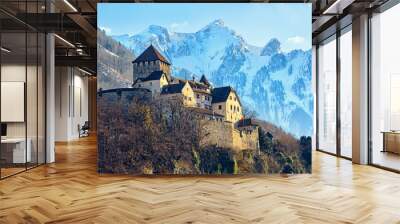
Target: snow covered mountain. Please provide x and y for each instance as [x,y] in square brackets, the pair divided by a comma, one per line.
[274,84]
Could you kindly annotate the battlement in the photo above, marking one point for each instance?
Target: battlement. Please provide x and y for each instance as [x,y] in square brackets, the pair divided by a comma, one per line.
[226,135]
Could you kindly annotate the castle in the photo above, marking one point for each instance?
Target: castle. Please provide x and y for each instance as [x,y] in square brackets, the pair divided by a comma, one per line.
[220,107]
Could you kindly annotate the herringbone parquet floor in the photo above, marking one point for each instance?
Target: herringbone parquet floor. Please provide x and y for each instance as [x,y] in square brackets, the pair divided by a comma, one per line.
[71,191]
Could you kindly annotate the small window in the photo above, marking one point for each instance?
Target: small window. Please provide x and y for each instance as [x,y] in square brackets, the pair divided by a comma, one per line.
[140,85]
[198,96]
[231,107]
[151,84]
[230,97]
[190,98]
[219,107]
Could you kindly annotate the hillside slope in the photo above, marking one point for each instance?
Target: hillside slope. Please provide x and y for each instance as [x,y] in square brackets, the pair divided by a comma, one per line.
[114,63]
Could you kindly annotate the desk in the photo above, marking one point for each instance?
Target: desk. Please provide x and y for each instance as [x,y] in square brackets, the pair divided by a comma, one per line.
[391,141]
[15,148]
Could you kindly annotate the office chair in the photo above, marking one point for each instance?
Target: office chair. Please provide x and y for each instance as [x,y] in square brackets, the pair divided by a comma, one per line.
[84,130]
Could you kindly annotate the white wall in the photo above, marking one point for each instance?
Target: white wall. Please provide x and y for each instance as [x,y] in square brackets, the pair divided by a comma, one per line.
[12,73]
[33,126]
[71,102]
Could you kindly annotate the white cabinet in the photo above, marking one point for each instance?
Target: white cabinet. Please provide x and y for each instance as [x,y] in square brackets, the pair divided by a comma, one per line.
[19,155]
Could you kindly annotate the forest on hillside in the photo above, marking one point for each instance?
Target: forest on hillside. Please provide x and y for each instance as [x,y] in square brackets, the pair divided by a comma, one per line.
[114,62]
[139,134]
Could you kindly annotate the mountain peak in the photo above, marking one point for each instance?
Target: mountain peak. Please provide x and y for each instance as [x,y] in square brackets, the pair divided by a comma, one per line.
[157,29]
[272,47]
[218,22]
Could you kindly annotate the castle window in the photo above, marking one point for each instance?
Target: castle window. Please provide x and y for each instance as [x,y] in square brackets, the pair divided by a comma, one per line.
[219,107]
[230,97]
[140,85]
[198,96]
[231,107]
[151,84]
[190,98]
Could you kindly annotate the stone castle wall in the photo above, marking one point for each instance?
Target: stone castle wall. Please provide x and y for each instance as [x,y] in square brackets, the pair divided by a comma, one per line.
[144,69]
[224,134]
[215,133]
[245,139]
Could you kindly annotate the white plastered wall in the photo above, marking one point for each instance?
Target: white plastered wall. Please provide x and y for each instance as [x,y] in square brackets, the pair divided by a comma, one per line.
[71,102]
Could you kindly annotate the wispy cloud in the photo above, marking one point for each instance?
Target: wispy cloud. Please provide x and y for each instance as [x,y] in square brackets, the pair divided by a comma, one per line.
[178,25]
[296,40]
[106,29]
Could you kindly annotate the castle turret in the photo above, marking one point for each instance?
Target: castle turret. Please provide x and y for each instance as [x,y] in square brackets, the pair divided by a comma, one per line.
[149,61]
[204,80]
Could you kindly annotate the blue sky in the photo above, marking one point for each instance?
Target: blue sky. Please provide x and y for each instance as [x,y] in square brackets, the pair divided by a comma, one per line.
[256,23]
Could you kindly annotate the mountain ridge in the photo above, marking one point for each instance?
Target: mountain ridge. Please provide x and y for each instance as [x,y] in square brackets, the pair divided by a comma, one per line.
[274,84]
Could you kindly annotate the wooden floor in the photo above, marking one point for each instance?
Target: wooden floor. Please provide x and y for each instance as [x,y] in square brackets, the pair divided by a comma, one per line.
[386,159]
[71,191]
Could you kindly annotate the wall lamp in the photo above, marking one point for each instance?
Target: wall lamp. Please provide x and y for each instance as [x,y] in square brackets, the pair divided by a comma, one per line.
[84,71]
[5,50]
[337,7]
[70,5]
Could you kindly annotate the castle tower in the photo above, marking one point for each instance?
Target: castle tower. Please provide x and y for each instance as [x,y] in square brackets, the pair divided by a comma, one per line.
[149,61]
[205,81]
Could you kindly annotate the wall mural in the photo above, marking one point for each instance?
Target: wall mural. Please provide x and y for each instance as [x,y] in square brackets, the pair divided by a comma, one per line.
[204,88]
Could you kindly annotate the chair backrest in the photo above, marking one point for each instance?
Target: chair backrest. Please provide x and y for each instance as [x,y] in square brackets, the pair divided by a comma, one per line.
[86,125]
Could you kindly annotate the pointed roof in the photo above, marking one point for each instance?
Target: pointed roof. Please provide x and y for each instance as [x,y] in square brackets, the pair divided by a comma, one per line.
[172,88]
[151,54]
[221,94]
[204,80]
